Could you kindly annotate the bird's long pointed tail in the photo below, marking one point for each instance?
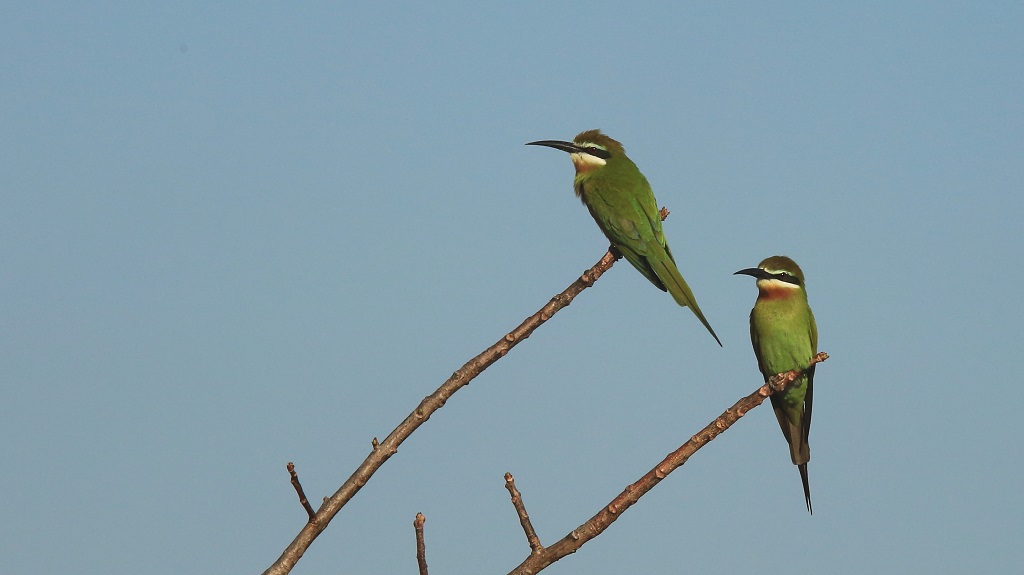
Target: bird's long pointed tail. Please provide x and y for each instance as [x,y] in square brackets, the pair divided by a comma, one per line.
[807,486]
[669,275]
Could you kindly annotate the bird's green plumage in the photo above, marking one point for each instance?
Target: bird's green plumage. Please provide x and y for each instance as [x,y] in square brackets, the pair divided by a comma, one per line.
[785,337]
[622,203]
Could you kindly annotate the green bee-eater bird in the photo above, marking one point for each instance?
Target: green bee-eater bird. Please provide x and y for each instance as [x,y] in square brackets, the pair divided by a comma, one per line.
[785,337]
[622,203]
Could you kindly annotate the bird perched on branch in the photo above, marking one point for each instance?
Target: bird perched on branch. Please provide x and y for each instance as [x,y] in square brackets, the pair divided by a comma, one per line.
[785,337]
[623,205]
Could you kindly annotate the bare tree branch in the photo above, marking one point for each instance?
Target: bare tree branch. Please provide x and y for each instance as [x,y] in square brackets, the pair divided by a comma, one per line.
[421,547]
[524,518]
[536,562]
[384,450]
[301,494]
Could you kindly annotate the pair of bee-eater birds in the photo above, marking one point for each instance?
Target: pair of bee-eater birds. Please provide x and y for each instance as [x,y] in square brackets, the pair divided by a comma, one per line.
[782,328]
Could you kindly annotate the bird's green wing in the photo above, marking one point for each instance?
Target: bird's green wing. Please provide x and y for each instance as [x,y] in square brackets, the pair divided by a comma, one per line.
[629,217]
[626,223]
[809,398]
[813,328]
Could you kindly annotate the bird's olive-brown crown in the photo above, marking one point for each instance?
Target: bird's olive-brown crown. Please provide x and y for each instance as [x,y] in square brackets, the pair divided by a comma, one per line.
[777,264]
[596,138]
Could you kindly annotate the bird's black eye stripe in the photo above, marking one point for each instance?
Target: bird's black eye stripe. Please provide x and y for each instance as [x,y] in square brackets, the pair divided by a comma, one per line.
[595,151]
[788,278]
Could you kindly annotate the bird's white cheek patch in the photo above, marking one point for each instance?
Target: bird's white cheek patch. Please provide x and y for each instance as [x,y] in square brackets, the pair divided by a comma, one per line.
[773,289]
[585,162]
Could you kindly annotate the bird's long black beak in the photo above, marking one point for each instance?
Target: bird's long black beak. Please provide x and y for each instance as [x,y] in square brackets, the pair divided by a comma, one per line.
[756,272]
[558,145]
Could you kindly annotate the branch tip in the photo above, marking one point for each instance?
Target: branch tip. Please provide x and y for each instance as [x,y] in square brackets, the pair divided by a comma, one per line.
[421,546]
[780,381]
[301,493]
[524,517]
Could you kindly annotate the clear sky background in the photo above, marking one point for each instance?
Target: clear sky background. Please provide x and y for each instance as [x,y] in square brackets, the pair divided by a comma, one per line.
[242,234]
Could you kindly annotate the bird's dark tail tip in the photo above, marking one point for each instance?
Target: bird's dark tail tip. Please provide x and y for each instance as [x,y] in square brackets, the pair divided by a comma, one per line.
[807,486]
[700,316]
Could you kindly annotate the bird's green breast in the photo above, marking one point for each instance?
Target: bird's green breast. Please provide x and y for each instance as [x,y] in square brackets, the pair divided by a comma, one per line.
[783,327]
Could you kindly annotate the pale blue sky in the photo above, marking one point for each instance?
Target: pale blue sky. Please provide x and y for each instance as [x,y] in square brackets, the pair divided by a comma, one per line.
[239,235]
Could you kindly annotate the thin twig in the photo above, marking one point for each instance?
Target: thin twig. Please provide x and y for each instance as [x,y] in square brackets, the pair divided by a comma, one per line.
[524,518]
[421,547]
[385,449]
[604,518]
[301,494]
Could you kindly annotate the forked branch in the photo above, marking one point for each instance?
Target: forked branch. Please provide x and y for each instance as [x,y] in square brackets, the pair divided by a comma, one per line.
[537,561]
[383,450]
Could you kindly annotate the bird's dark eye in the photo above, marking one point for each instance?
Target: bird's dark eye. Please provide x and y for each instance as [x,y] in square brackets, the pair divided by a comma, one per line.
[598,152]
